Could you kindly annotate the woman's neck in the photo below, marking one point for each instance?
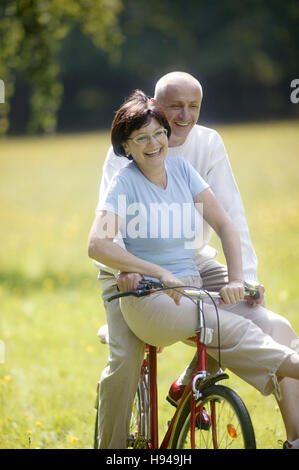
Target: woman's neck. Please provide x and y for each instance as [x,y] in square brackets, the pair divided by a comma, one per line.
[159,179]
[156,176]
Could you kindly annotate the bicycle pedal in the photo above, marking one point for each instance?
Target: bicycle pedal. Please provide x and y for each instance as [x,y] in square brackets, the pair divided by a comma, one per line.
[173,403]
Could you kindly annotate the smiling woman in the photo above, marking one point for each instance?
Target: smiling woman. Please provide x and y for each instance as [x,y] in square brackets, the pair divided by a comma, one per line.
[136,113]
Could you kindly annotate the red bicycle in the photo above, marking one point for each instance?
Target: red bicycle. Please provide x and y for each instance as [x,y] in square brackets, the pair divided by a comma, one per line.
[229,425]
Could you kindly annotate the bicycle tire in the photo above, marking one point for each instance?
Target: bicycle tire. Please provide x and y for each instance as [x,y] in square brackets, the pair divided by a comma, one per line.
[139,424]
[96,430]
[230,423]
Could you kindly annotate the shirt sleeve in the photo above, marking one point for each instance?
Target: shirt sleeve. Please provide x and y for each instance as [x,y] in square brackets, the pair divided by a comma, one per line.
[223,184]
[115,198]
[111,167]
[196,183]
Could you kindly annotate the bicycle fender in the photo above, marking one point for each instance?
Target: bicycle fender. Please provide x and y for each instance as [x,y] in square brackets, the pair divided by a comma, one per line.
[211,380]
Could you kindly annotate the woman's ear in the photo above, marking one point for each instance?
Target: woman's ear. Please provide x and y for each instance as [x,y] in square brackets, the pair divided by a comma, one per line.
[126,148]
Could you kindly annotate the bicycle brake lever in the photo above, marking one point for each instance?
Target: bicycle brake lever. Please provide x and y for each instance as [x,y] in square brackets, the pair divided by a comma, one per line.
[252,290]
[143,292]
[149,284]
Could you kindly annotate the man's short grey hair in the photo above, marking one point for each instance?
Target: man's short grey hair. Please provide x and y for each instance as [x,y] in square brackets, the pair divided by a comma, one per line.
[173,78]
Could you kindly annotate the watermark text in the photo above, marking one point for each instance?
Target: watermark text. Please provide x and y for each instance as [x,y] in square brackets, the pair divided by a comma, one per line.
[2,91]
[295,346]
[294,97]
[156,220]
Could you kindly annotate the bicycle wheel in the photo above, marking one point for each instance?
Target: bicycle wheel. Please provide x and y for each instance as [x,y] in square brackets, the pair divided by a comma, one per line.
[139,424]
[96,430]
[230,424]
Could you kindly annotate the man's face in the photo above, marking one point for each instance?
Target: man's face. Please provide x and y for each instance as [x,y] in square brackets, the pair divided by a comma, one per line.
[181,104]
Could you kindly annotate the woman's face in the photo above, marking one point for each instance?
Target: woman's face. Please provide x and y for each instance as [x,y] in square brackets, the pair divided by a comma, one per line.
[148,146]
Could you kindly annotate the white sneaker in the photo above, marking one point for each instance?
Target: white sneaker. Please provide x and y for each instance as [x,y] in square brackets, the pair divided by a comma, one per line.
[291,444]
[103,334]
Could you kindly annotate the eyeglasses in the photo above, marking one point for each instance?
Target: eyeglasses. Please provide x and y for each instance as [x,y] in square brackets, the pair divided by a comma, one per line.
[143,139]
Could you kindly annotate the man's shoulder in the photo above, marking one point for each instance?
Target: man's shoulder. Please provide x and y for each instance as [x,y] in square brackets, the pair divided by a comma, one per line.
[203,131]
[126,170]
[206,139]
[115,160]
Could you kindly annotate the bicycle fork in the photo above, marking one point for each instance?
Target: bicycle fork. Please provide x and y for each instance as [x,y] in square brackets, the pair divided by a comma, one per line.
[204,337]
[154,439]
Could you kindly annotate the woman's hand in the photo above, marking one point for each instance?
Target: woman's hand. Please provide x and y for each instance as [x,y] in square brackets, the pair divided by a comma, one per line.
[128,281]
[233,292]
[168,279]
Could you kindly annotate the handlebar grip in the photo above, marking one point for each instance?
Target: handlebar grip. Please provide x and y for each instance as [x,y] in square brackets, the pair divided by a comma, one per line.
[136,293]
[252,290]
[120,294]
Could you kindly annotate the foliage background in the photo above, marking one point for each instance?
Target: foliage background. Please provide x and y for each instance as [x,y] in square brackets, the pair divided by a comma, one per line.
[66,67]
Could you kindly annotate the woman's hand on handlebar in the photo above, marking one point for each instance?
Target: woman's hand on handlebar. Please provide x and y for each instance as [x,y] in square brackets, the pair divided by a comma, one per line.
[128,281]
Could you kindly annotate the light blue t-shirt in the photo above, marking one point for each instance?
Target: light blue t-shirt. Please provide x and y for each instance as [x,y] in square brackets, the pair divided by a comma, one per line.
[159,225]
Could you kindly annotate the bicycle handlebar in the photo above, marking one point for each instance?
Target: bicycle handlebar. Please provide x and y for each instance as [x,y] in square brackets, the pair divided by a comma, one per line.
[149,287]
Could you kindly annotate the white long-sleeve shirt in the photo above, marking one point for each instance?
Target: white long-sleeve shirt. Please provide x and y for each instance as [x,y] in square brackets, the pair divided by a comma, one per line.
[205,150]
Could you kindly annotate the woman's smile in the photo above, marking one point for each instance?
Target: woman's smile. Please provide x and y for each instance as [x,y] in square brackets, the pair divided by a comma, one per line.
[153,153]
[148,147]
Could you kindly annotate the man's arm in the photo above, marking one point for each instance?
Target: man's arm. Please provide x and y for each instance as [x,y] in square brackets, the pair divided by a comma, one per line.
[222,182]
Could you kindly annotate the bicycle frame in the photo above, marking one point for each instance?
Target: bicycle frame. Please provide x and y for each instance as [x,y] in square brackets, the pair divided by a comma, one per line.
[199,381]
[203,337]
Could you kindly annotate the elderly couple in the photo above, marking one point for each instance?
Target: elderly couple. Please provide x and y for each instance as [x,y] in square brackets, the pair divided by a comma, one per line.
[160,155]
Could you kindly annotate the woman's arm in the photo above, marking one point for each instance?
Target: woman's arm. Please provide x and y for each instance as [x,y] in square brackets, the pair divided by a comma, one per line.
[102,248]
[218,219]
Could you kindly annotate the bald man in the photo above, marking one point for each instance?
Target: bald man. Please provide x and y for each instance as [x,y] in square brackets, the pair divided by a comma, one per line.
[180,96]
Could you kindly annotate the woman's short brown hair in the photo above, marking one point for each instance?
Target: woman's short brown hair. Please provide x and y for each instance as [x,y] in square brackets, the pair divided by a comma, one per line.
[134,113]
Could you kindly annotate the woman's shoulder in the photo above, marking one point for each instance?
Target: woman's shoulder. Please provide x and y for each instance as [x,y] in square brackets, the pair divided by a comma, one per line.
[177,163]
[127,171]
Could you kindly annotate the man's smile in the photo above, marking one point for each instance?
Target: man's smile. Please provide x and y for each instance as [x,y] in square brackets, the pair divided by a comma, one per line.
[182,123]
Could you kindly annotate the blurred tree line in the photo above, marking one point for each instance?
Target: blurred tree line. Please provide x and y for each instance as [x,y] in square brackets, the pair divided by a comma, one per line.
[67,65]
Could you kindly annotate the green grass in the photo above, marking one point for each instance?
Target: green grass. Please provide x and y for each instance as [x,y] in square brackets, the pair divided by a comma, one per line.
[50,306]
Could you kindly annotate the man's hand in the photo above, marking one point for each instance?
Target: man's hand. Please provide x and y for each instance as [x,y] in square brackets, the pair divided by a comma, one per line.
[128,281]
[260,300]
[232,293]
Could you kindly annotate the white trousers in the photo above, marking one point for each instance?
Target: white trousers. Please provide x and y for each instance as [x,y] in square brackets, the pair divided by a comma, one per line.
[118,384]
[245,348]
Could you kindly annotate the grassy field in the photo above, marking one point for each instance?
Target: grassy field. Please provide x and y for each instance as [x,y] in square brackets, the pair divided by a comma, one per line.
[50,305]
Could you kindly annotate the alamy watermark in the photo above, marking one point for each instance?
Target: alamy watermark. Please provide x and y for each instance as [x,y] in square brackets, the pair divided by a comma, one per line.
[156,220]
[294,96]
[2,352]
[2,91]
[295,346]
